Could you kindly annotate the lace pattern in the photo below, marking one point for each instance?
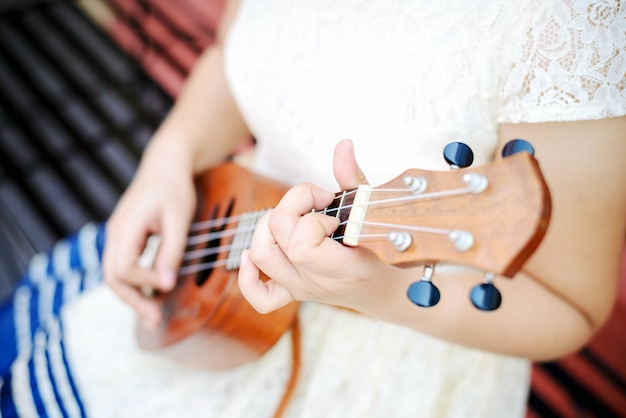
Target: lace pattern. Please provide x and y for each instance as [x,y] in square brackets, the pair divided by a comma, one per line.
[571,66]
[415,75]
[354,368]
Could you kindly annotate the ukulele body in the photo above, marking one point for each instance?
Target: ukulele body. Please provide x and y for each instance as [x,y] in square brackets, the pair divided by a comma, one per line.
[207,322]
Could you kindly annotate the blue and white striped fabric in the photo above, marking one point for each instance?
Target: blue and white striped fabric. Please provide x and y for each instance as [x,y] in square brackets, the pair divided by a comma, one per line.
[36,380]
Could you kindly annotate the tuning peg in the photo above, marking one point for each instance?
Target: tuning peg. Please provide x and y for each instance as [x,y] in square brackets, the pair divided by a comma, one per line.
[458,155]
[424,293]
[486,296]
[515,146]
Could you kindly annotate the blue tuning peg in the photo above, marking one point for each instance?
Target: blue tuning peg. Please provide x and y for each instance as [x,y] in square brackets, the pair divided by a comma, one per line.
[458,155]
[424,293]
[515,146]
[486,296]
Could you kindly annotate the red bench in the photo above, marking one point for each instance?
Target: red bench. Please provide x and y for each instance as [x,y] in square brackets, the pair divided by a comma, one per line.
[165,36]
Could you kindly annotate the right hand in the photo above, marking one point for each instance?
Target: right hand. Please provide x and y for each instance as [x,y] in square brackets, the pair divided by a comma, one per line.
[160,200]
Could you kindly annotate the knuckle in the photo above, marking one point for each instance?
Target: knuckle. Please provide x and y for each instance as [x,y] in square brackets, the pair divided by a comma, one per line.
[302,187]
[262,308]
[115,276]
[299,253]
[260,255]
[275,220]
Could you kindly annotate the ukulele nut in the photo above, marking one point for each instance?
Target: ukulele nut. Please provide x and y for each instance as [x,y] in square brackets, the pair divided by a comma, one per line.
[475,183]
[417,185]
[400,240]
[462,240]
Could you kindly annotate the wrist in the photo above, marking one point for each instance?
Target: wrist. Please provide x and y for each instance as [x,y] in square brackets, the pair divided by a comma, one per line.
[386,292]
[166,154]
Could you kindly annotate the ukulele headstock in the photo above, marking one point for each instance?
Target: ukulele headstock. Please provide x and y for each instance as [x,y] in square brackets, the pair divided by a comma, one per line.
[491,217]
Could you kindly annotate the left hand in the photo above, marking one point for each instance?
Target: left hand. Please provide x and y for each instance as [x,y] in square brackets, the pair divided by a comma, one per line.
[291,245]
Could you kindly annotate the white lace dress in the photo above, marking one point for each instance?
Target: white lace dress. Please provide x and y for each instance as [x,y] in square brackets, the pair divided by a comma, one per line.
[401,78]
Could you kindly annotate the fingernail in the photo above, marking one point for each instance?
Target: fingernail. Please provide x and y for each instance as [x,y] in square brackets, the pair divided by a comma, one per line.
[150,323]
[245,258]
[168,278]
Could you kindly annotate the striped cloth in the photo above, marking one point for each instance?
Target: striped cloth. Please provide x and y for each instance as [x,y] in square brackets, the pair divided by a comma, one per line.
[36,380]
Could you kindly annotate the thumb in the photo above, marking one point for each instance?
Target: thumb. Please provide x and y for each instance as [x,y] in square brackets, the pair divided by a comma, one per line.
[347,172]
[172,246]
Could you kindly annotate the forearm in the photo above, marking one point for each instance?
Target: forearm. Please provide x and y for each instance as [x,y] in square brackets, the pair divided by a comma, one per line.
[532,322]
[566,290]
[204,126]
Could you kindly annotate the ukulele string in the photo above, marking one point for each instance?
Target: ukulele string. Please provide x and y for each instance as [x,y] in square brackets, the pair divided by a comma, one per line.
[209,265]
[392,227]
[211,223]
[409,198]
[192,255]
[199,267]
[210,236]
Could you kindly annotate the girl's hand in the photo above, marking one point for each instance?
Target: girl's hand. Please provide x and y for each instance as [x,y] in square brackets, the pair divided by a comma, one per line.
[160,200]
[291,245]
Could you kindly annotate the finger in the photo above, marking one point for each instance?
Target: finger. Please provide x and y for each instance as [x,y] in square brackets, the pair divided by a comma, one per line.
[114,267]
[125,241]
[265,296]
[312,230]
[354,267]
[108,261]
[140,277]
[137,271]
[128,283]
[175,227]
[347,172]
[130,286]
[299,200]
[303,198]
[268,256]
[147,308]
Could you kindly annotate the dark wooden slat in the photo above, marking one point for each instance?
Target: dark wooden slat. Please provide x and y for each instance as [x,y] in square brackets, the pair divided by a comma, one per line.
[75,115]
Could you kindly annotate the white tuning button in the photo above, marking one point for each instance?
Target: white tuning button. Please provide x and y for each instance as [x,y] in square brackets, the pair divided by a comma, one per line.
[476,183]
[462,240]
[417,185]
[400,240]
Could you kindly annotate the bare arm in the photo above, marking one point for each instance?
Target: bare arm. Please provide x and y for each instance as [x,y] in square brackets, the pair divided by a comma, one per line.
[562,296]
[204,122]
[567,289]
[202,129]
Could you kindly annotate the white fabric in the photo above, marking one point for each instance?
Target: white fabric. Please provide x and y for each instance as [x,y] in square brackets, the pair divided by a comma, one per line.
[353,368]
[404,78]
[401,78]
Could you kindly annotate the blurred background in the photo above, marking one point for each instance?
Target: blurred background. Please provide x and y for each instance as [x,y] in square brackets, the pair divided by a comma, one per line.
[84,83]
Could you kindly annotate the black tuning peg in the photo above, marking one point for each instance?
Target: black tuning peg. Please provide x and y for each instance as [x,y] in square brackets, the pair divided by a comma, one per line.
[515,146]
[486,296]
[458,155]
[424,293]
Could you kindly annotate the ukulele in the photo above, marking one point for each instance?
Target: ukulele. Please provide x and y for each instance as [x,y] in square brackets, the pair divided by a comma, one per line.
[491,218]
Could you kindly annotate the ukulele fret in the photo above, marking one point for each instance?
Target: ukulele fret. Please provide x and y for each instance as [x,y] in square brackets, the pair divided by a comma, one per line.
[242,237]
[340,209]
